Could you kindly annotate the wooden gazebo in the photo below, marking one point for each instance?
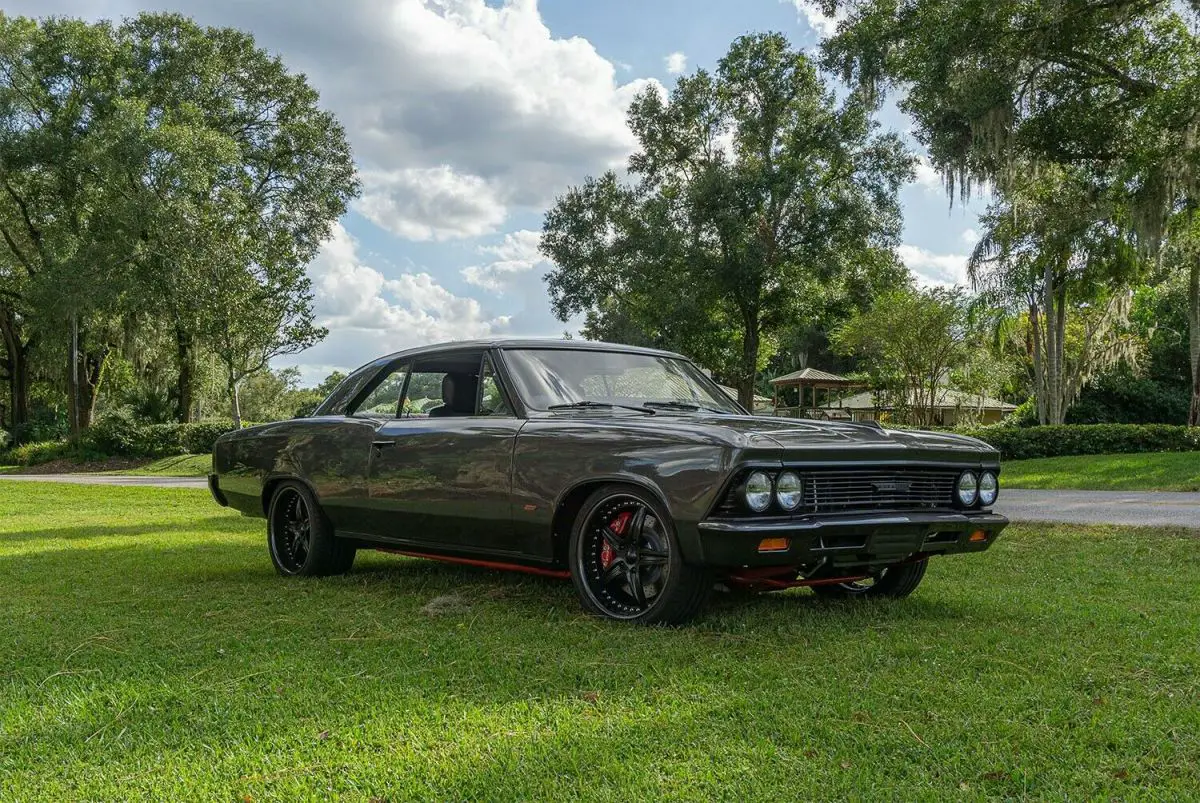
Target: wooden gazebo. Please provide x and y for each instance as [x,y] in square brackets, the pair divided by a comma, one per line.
[816,380]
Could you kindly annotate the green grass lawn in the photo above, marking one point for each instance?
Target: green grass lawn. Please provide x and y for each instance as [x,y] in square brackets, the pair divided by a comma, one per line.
[1159,471]
[187,465]
[147,650]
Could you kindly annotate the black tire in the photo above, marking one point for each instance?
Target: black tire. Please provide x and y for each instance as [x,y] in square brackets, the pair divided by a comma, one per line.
[892,582]
[300,538]
[634,573]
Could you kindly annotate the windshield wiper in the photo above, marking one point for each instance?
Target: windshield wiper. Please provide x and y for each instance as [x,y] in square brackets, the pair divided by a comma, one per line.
[597,405]
[681,405]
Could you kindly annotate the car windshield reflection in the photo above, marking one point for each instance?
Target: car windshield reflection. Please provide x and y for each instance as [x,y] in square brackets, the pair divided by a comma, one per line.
[566,379]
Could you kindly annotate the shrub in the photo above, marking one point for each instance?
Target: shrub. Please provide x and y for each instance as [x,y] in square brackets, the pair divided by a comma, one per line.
[199,438]
[1021,443]
[31,454]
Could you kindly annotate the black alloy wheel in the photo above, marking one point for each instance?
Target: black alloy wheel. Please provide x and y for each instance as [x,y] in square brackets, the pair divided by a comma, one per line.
[300,538]
[626,564]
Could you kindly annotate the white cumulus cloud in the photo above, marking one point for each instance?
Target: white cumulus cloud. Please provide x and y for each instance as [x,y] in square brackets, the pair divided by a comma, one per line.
[943,270]
[514,256]
[430,203]
[482,90]
[823,24]
[411,309]
[675,63]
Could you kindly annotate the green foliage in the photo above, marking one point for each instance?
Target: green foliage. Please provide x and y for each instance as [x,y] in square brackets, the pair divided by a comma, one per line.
[756,196]
[912,342]
[37,452]
[119,436]
[170,176]
[1120,397]
[1012,92]
[1020,443]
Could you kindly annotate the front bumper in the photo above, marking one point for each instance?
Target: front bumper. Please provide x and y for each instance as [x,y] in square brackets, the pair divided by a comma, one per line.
[214,488]
[850,539]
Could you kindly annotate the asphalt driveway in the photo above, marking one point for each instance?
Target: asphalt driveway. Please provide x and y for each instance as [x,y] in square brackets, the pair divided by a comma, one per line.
[110,479]
[1133,508]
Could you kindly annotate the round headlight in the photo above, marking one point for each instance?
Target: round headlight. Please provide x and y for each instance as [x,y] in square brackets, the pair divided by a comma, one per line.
[758,492]
[989,488]
[968,488]
[788,490]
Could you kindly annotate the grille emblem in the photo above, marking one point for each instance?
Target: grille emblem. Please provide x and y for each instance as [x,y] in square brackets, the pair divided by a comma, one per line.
[891,486]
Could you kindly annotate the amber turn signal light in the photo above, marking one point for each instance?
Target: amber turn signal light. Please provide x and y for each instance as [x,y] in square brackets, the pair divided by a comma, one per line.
[978,536]
[774,545]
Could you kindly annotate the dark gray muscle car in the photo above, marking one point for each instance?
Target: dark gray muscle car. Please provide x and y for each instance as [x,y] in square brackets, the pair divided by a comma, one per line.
[626,469]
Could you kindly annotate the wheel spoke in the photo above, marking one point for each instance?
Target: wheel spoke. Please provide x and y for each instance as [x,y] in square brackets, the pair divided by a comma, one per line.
[613,572]
[653,557]
[633,577]
[612,539]
[637,526]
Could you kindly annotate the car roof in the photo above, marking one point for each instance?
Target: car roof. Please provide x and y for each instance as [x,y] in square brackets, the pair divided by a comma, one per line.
[527,343]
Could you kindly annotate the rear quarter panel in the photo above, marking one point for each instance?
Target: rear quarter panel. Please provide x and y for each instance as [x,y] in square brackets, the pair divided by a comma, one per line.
[330,455]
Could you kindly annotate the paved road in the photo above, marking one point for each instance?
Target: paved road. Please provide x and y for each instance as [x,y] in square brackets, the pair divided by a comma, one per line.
[1137,508]
[1151,509]
[111,479]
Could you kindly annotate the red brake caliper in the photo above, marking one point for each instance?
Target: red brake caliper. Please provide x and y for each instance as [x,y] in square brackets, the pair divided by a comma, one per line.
[617,525]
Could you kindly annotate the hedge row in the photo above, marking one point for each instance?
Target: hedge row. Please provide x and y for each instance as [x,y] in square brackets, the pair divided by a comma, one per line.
[1021,443]
[117,437]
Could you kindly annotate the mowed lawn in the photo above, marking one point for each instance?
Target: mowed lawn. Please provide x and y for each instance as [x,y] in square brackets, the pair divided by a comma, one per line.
[1159,471]
[147,650]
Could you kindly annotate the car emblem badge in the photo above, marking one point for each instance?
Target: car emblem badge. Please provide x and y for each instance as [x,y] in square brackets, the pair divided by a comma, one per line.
[891,486]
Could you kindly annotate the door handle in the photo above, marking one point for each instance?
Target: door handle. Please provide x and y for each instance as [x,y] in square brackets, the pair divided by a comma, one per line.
[383,444]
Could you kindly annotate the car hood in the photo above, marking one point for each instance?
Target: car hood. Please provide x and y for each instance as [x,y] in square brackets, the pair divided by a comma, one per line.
[811,438]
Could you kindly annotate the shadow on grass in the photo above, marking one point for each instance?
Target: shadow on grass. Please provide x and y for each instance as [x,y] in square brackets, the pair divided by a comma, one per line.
[205,525]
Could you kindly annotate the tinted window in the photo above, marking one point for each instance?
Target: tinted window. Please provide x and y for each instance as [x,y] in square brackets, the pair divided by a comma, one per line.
[491,398]
[384,400]
[347,391]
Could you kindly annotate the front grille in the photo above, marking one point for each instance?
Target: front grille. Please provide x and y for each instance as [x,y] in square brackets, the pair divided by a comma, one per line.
[849,490]
[877,489]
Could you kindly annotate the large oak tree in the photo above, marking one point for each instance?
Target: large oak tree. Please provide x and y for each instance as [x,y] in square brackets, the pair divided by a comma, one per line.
[753,188]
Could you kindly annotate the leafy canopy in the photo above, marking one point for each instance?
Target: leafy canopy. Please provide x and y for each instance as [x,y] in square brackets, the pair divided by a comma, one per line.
[753,193]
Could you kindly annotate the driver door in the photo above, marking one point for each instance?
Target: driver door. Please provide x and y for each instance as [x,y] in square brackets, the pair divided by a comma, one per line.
[444,480]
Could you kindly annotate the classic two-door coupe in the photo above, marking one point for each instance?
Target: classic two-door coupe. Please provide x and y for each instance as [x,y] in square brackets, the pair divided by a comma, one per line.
[626,469]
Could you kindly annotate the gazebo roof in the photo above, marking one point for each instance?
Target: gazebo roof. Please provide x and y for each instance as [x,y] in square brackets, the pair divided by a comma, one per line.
[814,378]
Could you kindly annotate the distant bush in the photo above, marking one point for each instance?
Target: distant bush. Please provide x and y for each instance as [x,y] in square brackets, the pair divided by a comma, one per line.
[31,454]
[118,436]
[1121,398]
[1021,443]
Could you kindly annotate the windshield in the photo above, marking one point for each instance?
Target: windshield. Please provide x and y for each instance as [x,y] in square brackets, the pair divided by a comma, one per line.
[551,378]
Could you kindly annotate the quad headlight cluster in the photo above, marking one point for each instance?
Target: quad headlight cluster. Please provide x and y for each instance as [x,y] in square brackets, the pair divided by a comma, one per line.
[982,488]
[761,488]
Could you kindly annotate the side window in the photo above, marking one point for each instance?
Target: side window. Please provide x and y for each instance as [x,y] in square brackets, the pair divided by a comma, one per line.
[384,400]
[491,398]
[424,393]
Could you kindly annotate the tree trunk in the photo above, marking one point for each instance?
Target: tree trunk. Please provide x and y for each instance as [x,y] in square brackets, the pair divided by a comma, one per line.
[93,377]
[73,418]
[749,366]
[18,366]
[185,356]
[1194,338]
[1054,308]
[1039,368]
[235,403]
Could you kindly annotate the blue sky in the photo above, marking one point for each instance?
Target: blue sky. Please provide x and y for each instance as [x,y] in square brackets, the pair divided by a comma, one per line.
[467,118]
